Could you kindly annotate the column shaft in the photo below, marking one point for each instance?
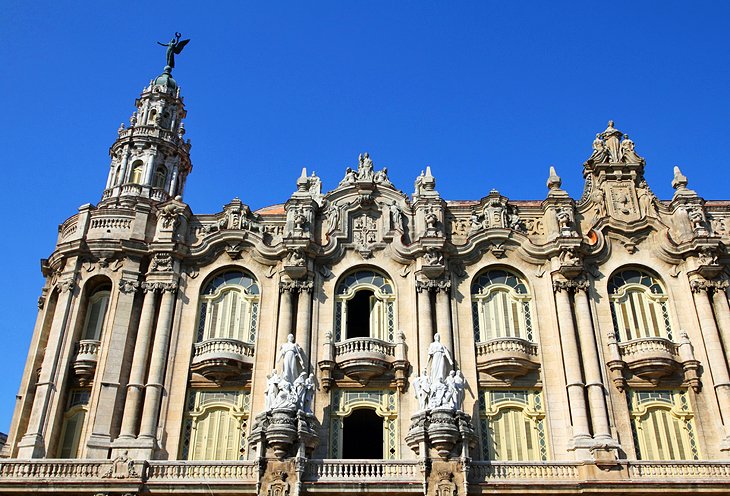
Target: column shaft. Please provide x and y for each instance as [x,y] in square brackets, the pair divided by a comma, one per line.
[158,361]
[715,355]
[722,314]
[443,316]
[33,445]
[304,320]
[135,387]
[591,366]
[571,362]
[425,325]
[285,315]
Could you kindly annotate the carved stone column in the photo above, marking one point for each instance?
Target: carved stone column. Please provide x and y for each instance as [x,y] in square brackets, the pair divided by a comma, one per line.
[443,314]
[425,322]
[285,310]
[135,386]
[111,392]
[722,311]
[303,335]
[158,361]
[716,357]
[32,444]
[571,361]
[591,364]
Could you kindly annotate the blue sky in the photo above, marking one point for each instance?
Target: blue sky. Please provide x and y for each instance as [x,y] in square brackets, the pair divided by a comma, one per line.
[490,94]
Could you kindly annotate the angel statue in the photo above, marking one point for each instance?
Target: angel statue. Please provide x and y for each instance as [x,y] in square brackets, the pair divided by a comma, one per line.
[291,356]
[174,48]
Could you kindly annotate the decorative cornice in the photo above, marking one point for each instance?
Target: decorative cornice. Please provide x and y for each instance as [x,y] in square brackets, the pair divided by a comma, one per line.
[67,285]
[702,285]
[296,286]
[570,285]
[434,285]
[129,286]
[159,287]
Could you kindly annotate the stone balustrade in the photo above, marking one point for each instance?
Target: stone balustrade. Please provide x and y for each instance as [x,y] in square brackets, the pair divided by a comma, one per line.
[25,475]
[363,470]
[48,469]
[507,358]
[219,359]
[678,470]
[240,471]
[650,358]
[365,358]
[68,228]
[158,194]
[365,345]
[151,131]
[86,359]
[489,471]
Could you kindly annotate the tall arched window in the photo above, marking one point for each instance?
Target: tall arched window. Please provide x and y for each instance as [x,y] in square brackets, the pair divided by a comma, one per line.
[137,171]
[365,307]
[663,425]
[364,424]
[160,177]
[500,306]
[638,306]
[96,314]
[229,308]
[215,424]
[512,425]
[73,423]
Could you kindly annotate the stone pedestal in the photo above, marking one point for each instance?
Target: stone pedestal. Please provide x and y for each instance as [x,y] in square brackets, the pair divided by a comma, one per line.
[441,432]
[285,432]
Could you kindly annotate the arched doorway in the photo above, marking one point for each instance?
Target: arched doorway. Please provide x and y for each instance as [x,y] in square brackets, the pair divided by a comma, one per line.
[362,435]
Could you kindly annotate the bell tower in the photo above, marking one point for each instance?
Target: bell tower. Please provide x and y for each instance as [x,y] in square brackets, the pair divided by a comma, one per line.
[150,159]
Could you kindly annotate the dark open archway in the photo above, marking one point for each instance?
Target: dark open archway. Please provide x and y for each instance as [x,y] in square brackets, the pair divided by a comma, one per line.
[362,435]
[358,314]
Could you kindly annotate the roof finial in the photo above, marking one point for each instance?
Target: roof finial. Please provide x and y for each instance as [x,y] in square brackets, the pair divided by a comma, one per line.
[174,47]
[554,181]
[680,180]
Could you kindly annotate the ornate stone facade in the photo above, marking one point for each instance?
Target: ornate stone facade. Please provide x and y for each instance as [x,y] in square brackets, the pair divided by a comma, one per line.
[363,340]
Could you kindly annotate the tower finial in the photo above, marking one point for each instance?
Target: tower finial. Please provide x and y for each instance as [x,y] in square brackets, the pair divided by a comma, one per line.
[174,47]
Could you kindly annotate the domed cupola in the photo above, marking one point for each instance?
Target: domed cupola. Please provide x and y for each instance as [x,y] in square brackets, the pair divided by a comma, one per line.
[151,158]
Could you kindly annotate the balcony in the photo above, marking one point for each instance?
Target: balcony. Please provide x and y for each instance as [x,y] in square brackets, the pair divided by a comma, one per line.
[652,359]
[507,358]
[363,359]
[221,359]
[85,360]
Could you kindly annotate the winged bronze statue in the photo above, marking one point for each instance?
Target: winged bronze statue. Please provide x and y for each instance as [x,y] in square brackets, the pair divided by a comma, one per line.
[174,48]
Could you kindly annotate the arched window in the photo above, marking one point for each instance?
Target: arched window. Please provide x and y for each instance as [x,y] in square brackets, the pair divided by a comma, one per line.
[512,425]
[215,424]
[500,306]
[73,423]
[160,177]
[638,306]
[663,425]
[137,171]
[96,314]
[364,424]
[229,308]
[365,307]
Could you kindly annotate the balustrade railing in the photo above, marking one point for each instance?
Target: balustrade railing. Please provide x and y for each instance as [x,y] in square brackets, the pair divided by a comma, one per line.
[243,471]
[506,345]
[223,346]
[488,471]
[363,470]
[52,469]
[123,223]
[365,345]
[673,470]
[643,346]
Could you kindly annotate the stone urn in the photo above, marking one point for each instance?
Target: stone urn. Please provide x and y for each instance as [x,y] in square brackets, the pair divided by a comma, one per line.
[443,431]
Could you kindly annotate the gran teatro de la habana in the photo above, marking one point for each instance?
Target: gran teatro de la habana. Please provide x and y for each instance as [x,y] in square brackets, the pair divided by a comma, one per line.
[365,340]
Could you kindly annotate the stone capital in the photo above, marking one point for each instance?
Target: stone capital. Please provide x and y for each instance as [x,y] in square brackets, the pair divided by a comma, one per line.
[570,285]
[159,287]
[129,286]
